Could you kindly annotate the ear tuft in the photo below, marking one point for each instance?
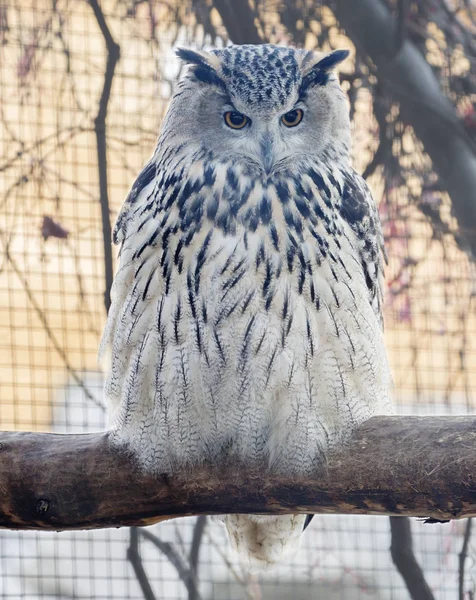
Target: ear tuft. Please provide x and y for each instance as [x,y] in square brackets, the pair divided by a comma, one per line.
[204,65]
[190,57]
[331,60]
[198,58]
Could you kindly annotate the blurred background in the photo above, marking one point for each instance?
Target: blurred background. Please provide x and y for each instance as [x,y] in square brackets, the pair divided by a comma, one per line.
[83,89]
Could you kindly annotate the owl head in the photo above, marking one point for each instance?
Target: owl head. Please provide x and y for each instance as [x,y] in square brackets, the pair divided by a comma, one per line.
[264,106]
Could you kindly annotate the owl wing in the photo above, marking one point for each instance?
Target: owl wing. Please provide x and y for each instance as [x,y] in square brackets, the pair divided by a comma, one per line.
[146,176]
[359,210]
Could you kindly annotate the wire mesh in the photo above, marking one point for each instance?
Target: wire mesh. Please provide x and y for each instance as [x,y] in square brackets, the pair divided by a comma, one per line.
[52,284]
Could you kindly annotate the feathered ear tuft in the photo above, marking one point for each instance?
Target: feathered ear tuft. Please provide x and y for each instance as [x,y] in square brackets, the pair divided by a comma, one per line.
[199,58]
[316,70]
[331,60]
[206,65]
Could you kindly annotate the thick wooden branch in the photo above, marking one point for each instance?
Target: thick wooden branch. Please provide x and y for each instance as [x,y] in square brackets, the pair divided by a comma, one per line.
[414,466]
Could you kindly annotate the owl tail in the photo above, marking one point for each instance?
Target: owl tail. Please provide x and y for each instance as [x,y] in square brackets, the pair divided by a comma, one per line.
[260,541]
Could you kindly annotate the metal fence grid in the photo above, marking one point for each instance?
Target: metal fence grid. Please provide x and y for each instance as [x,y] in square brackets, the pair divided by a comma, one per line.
[52,281]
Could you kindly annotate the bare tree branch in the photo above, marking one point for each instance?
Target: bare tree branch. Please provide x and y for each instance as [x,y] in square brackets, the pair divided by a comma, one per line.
[239,21]
[462,558]
[175,559]
[404,559]
[411,466]
[424,105]
[113,55]
[194,554]
[133,555]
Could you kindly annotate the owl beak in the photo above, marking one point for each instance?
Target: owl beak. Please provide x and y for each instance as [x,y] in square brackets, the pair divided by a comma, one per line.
[266,152]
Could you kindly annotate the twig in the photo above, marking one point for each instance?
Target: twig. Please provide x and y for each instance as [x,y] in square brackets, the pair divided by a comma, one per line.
[175,559]
[194,554]
[462,558]
[113,55]
[134,557]
[404,559]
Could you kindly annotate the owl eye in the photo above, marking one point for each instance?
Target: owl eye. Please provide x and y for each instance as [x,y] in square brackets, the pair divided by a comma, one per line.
[235,120]
[292,118]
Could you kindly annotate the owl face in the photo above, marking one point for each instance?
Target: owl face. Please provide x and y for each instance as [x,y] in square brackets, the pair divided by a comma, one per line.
[264,106]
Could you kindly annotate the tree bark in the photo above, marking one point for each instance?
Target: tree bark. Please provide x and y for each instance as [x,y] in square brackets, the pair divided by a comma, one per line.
[413,466]
[424,106]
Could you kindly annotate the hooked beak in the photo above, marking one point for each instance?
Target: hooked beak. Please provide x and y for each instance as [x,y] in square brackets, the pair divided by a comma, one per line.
[266,152]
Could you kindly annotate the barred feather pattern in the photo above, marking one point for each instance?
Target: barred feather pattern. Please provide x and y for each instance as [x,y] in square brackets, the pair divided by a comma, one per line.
[245,321]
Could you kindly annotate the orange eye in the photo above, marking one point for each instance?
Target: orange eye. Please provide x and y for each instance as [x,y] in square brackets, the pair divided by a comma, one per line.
[235,120]
[292,118]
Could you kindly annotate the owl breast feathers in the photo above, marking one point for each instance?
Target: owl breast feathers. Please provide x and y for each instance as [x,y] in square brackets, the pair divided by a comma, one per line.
[246,316]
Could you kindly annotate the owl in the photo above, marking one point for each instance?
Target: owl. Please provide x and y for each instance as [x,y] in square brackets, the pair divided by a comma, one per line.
[246,319]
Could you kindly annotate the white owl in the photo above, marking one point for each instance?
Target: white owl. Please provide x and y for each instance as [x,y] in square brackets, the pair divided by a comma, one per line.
[246,315]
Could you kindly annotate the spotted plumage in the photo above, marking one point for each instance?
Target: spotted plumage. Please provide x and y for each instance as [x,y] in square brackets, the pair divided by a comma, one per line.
[246,313]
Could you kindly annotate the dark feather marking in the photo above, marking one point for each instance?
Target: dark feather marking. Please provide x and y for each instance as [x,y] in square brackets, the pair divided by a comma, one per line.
[219,346]
[302,206]
[212,207]
[191,295]
[312,290]
[344,267]
[268,277]
[178,250]
[349,288]
[334,274]
[159,324]
[205,74]
[269,299]
[145,177]
[265,210]
[368,279]
[247,301]
[290,254]
[246,339]
[228,260]
[289,325]
[336,299]
[284,313]
[309,334]
[167,284]
[147,243]
[146,287]
[319,182]
[282,191]
[301,280]
[201,257]
[231,282]
[260,255]
[232,308]
[334,321]
[177,319]
[260,343]
[198,336]
[270,364]
[139,268]
[274,236]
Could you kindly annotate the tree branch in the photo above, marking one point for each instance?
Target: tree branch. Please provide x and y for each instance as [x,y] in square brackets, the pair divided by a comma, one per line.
[423,104]
[194,554]
[462,558]
[113,55]
[134,557]
[413,466]
[239,21]
[404,559]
